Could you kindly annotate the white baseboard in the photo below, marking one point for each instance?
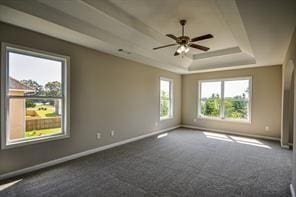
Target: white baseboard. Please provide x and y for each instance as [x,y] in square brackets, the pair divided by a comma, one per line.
[292,190]
[231,132]
[81,154]
[285,146]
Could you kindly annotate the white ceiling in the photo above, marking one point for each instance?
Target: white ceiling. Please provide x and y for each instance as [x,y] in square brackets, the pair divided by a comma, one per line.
[163,16]
[246,33]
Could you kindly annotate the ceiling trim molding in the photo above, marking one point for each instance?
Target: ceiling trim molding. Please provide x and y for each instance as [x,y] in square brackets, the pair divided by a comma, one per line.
[229,68]
[230,12]
[131,22]
[18,18]
[221,52]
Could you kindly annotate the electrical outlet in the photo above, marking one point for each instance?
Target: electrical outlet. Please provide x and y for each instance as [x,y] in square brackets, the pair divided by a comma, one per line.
[194,120]
[266,128]
[98,136]
[156,124]
[112,133]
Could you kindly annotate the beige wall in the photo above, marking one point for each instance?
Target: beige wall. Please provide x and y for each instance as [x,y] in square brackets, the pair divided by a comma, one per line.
[287,101]
[265,108]
[289,66]
[291,114]
[107,93]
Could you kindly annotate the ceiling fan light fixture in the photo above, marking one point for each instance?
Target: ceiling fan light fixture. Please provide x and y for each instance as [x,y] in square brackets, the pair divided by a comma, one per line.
[183,49]
[180,49]
[187,49]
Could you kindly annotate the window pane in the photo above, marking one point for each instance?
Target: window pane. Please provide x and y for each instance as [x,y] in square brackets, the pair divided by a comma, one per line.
[30,75]
[210,98]
[164,108]
[165,99]
[236,99]
[33,118]
[165,89]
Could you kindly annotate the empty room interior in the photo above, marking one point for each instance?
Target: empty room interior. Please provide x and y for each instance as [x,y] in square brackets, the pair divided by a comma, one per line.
[146,98]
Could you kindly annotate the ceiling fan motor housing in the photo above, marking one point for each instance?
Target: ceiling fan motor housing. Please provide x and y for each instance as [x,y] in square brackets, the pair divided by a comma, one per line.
[183,22]
[183,40]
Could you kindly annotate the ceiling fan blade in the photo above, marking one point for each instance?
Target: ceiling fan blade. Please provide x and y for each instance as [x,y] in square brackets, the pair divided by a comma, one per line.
[207,36]
[196,46]
[169,45]
[172,36]
[176,53]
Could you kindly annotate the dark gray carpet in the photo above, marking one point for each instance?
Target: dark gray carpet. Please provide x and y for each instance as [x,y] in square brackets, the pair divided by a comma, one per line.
[183,163]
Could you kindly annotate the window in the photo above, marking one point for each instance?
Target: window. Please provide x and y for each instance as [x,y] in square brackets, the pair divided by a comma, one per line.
[225,99]
[166,98]
[35,100]
[210,98]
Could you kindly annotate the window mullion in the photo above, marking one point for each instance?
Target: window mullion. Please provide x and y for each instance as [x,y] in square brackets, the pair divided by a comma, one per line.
[222,101]
[171,96]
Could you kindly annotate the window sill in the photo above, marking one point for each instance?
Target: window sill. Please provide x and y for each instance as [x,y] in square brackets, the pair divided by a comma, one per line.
[225,120]
[166,118]
[34,141]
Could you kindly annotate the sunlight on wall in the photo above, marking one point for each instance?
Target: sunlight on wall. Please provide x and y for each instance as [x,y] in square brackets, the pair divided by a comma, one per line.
[237,139]
[7,185]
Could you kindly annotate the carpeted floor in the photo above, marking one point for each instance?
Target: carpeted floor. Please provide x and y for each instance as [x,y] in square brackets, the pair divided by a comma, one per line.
[182,163]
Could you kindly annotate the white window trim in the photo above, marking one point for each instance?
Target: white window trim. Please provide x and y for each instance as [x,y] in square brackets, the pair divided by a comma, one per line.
[222,118]
[5,49]
[171,115]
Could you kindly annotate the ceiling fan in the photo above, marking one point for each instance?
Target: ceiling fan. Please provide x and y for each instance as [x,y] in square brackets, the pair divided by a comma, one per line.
[185,42]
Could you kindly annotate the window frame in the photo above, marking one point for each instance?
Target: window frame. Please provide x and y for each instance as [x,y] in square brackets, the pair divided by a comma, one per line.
[221,117]
[171,96]
[5,98]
